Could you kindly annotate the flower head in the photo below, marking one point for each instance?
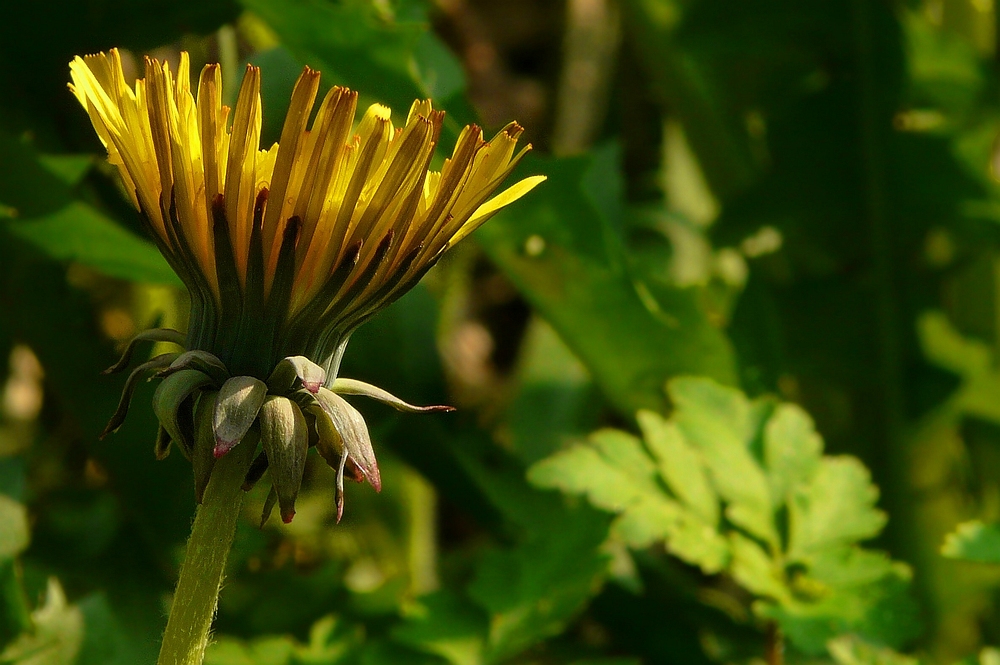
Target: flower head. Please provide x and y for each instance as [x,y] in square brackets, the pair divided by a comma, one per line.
[284,251]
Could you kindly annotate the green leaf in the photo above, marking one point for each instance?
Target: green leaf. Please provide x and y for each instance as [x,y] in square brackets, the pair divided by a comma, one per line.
[358,44]
[560,249]
[584,469]
[792,451]
[858,597]
[851,650]
[555,397]
[57,634]
[719,446]
[722,425]
[836,509]
[945,346]
[236,408]
[105,640]
[13,527]
[331,641]
[446,625]
[617,474]
[533,591]
[43,209]
[680,465]
[973,541]
[756,571]
[263,651]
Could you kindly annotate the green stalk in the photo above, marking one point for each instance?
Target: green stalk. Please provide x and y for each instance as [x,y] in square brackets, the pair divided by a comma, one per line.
[197,594]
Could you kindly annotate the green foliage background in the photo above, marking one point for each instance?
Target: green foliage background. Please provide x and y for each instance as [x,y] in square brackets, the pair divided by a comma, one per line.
[728,381]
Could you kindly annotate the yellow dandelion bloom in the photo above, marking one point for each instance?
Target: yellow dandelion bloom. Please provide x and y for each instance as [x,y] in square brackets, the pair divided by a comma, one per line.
[304,240]
[285,251]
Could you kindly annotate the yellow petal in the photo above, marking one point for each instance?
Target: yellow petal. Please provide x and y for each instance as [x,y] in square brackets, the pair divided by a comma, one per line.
[493,206]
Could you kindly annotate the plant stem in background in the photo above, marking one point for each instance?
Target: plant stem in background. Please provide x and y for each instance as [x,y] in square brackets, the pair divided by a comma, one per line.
[197,594]
[774,648]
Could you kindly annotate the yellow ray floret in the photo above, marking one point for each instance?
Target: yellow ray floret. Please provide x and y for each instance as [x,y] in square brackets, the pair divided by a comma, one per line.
[363,192]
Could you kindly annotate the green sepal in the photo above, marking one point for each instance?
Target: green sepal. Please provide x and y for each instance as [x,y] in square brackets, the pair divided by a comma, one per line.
[130,385]
[272,498]
[236,409]
[353,431]
[168,404]
[203,361]
[329,443]
[161,447]
[255,472]
[355,387]
[152,335]
[203,457]
[285,439]
[294,373]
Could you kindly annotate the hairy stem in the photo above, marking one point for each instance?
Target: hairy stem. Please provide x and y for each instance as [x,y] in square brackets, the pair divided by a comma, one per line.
[197,594]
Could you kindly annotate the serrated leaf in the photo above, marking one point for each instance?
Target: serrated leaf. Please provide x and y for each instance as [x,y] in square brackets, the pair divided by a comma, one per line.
[792,451]
[583,469]
[722,425]
[848,591]
[755,570]
[647,521]
[680,466]
[973,541]
[837,508]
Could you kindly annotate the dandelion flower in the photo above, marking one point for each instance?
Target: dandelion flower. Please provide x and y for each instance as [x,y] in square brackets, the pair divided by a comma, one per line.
[285,251]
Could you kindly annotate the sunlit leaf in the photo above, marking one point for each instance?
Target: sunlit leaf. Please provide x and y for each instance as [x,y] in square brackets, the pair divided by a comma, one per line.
[973,541]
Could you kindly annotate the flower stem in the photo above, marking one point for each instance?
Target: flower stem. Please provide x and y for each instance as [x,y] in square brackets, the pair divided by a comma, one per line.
[197,594]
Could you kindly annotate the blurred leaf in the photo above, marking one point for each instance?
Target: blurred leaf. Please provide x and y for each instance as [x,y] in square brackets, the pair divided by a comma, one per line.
[531,592]
[836,509]
[105,641]
[13,527]
[560,249]
[764,462]
[48,215]
[79,233]
[973,541]
[972,360]
[686,88]
[724,427]
[555,399]
[443,624]
[263,651]
[393,59]
[847,591]
[330,642]
[944,69]
[850,650]
[56,636]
